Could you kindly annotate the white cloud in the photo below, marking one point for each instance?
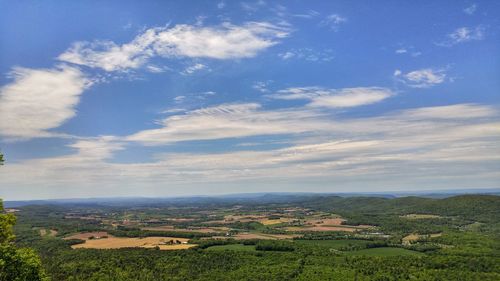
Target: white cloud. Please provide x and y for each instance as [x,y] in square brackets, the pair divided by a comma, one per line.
[253,6]
[262,86]
[156,69]
[422,78]
[286,55]
[333,21]
[223,42]
[221,5]
[471,9]
[179,99]
[226,41]
[408,50]
[39,99]
[462,35]
[307,54]
[193,68]
[335,98]
[307,15]
[110,56]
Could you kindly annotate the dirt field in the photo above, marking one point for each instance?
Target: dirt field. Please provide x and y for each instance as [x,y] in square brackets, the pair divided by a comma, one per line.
[122,242]
[407,240]
[247,218]
[202,230]
[277,221]
[325,222]
[322,228]
[243,236]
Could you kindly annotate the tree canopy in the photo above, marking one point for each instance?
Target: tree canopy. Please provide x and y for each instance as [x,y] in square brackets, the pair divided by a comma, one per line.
[16,264]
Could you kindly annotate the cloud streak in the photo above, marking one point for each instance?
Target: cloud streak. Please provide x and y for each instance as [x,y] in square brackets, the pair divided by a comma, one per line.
[335,98]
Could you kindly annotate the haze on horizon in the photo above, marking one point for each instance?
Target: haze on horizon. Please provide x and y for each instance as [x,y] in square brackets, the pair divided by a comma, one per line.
[126,98]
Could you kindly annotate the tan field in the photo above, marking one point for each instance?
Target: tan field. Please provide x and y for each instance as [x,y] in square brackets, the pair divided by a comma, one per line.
[407,240]
[146,242]
[180,219]
[202,230]
[243,236]
[323,228]
[276,221]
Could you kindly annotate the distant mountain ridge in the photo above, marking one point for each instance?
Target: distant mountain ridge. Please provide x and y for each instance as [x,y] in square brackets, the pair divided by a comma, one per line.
[266,197]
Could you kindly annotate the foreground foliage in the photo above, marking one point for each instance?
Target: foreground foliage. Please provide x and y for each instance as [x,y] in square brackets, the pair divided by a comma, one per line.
[16,264]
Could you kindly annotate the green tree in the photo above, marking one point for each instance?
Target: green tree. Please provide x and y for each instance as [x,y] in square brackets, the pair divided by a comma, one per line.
[16,264]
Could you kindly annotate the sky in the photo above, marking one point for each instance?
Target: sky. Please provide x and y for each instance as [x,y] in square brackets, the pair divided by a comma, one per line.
[174,98]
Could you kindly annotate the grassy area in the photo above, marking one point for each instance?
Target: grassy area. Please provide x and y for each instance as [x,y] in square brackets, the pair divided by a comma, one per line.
[335,244]
[384,252]
[233,247]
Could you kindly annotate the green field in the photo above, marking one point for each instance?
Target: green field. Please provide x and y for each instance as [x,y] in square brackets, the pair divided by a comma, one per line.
[232,247]
[384,252]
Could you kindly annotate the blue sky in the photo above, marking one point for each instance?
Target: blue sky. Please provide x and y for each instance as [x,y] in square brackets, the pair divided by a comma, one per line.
[157,98]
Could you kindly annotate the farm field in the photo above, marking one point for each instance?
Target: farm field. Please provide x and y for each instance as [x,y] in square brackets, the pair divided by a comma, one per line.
[146,242]
[200,229]
[323,228]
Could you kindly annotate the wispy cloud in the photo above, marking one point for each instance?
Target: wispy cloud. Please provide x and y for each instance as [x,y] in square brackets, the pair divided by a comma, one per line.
[253,6]
[408,51]
[225,41]
[307,54]
[228,121]
[262,86]
[422,78]
[193,68]
[39,99]
[335,98]
[462,35]
[307,15]
[333,21]
[470,10]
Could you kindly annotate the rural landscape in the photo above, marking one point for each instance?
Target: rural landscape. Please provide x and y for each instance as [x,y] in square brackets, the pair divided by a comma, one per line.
[265,237]
[252,140]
